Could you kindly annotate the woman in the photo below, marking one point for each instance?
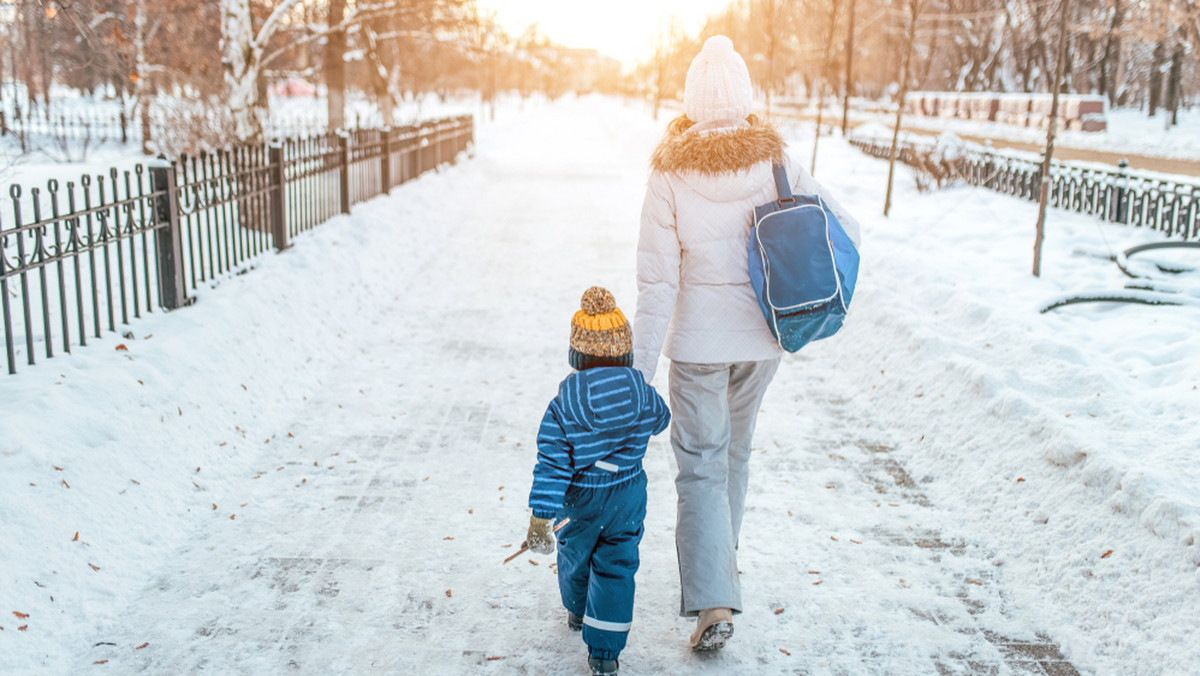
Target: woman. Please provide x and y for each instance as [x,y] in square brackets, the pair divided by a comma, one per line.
[696,306]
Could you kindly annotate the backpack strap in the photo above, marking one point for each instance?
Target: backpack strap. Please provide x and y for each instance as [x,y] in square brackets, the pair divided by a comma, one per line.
[782,186]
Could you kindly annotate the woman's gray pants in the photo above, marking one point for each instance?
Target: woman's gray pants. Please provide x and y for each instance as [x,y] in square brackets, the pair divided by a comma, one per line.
[713,411]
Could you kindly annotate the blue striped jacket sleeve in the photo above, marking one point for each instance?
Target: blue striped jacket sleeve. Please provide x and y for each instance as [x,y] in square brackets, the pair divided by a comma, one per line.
[552,474]
[662,414]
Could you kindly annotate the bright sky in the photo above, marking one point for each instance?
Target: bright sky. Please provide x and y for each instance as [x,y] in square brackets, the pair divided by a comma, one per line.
[624,29]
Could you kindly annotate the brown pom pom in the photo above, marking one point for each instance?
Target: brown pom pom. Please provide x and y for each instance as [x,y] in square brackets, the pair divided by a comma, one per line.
[597,300]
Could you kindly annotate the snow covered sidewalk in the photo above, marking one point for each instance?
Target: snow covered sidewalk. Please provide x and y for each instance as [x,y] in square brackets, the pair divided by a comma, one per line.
[320,466]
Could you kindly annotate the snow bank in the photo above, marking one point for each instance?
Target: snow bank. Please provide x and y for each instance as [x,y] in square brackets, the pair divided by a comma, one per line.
[1066,440]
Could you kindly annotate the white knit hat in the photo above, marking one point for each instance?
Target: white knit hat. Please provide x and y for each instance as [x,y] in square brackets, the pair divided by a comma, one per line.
[718,84]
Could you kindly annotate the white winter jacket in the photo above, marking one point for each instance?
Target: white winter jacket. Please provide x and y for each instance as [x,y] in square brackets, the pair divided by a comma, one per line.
[695,302]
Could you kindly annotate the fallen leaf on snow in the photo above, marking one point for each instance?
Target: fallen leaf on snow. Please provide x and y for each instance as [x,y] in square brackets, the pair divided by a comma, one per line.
[534,562]
[778,611]
[833,538]
[64,482]
[1020,479]
[814,572]
[142,645]
[856,542]
[975,582]
[448,593]
[76,538]
[231,516]
[23,627]
[19,615]
[121,347]
[784,651]
[448,537]
[493,658]
[100,662]
[57,467]
[214,506]
[1107,554]
[94,566]
[818,582]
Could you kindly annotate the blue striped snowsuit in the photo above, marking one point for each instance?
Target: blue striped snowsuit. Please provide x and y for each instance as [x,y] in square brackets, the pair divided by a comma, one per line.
[590,449]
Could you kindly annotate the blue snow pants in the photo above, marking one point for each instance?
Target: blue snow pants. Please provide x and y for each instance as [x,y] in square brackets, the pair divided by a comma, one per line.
[598,556]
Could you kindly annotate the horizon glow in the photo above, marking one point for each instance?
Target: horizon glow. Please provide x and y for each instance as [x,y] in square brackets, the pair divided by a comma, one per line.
[626,30]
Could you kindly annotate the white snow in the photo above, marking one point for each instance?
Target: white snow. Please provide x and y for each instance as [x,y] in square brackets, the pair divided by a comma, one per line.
[321,465]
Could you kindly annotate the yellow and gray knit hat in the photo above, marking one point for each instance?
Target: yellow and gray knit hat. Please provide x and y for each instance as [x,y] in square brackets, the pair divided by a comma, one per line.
[600,336]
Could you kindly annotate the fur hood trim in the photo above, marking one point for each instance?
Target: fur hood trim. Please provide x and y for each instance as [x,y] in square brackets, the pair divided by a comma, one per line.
[721,152]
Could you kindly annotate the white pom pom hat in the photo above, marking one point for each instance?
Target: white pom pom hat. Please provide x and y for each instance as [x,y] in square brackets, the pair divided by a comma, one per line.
[718,84]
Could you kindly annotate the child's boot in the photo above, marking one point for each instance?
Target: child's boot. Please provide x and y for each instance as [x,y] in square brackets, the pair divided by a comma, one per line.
[574,622]
[713,629]
[602,667]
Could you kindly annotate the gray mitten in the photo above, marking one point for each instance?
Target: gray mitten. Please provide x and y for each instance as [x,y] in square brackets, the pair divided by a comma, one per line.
[540,538]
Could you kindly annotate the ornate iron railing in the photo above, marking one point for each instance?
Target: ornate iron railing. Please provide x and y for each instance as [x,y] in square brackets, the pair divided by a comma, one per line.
[81,258]
[1115,195]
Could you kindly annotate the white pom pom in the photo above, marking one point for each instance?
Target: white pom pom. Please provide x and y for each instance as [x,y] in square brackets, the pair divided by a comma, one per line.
[717,47]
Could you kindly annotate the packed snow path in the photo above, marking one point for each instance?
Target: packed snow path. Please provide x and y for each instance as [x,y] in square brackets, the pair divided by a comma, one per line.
[320,466]
[377,546]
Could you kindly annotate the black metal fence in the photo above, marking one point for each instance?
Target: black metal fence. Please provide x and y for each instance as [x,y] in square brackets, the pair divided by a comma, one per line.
[1118,196]
[81,258]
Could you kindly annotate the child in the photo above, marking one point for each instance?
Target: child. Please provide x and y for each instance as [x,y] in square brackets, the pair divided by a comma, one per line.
[589,470]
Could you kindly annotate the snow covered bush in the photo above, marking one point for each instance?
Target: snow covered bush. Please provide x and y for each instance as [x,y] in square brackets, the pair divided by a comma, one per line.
[940,164]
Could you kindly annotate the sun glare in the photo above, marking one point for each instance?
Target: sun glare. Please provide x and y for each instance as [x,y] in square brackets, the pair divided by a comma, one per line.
[626,30]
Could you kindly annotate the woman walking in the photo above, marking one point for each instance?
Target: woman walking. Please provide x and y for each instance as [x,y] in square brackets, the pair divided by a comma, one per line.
[696,306]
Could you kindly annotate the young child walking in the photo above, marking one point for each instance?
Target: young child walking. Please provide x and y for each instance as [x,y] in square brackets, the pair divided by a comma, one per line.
[589,470]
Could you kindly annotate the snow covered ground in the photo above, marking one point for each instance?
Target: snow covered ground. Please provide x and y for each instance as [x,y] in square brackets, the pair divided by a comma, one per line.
[320,466]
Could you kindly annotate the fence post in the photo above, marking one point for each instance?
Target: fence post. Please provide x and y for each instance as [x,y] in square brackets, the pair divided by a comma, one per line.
[1120,212]
[420,150]
[278,199]
[168,242]
[344,145]
[385,162]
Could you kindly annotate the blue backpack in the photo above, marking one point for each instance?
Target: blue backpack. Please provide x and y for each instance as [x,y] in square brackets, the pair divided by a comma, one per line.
[802,265]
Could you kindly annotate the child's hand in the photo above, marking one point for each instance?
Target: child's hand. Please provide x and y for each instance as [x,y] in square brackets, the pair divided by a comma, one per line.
[540,538]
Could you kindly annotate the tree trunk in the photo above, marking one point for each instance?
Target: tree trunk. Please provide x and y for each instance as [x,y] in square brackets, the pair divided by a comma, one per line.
[1111,64]
[1052,128]
[335,66]
[1174,83]
[833,12]
[378,76]
[849,61]
[1156,63]
[240,57]
[914,10]
[141,77]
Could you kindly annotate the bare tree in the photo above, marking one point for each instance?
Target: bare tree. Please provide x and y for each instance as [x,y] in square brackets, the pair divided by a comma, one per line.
[1051,130]
[833,7]
[914,13]
[849,82]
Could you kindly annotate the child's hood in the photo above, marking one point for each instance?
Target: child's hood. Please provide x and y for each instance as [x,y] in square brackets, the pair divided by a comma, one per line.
[604,398]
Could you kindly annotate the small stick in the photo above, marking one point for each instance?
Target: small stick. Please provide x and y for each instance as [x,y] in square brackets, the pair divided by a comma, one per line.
[525,545]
